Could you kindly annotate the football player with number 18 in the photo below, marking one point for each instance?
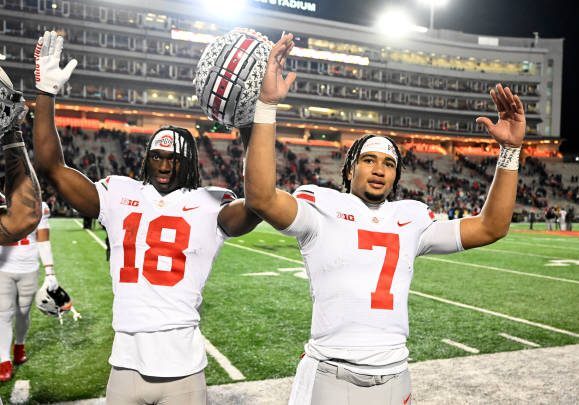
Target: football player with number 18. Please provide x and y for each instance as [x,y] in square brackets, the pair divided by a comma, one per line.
[165,231]
[359,247]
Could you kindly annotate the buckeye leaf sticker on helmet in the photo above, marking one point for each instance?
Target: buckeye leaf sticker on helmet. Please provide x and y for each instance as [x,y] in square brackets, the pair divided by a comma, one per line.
[229,76]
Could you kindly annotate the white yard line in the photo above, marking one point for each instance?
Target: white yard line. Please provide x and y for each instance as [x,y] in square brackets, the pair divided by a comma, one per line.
[265,253]
[20,392]
[290,269]
[520,273]
[519,340]
[224,362]
[233,373]
[461,346]
[498,314]
[542,245]
[432,297]
[264,273]
[518,253]
[91,233]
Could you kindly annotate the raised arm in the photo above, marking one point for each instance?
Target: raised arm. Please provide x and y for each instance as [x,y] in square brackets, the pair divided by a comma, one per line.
[273,205]
[509,131]
[236,218]
[22,211]
[74,186]
[23,202]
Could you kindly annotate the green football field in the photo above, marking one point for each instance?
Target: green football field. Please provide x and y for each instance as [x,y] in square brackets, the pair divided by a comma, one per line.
[256,309]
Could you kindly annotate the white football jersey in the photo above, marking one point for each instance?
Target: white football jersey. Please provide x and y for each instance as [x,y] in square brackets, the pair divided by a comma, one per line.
[22,256]
[162,250]
[360,262]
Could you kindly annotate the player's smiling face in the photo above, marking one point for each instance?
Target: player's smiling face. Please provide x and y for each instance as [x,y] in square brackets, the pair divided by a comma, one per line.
[162,174]
[372,176]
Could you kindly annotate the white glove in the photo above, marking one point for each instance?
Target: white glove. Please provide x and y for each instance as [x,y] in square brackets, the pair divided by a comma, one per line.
[50,282]
[48,75]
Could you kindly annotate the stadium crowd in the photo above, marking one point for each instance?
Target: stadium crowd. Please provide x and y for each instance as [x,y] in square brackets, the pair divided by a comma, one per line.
[458,193]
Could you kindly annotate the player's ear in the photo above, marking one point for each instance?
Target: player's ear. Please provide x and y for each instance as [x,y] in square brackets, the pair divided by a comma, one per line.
[351,172]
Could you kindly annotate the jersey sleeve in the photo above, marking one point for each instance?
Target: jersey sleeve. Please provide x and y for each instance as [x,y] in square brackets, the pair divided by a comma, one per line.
[306,225]
[221,195]
[103,187]
[45,215]
[440,237]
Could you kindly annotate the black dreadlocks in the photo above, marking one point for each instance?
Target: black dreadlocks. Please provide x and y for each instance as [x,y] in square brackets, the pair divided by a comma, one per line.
[188,176]
[353,155]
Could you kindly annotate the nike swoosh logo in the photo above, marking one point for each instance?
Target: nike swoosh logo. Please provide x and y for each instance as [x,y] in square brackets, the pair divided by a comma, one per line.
[403,223]
[189,208]
[407,399]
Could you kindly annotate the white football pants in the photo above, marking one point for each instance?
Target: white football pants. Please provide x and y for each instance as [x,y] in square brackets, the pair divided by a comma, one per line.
[16,295]
[337,386]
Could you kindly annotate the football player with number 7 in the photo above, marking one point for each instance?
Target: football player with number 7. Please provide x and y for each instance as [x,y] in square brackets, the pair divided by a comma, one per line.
[165,232]
[359,247]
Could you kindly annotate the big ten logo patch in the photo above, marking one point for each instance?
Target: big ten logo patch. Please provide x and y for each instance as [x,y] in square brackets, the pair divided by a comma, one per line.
[129,202]
[347,217]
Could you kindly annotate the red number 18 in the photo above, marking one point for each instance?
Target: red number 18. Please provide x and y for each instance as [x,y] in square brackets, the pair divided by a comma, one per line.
[157,247]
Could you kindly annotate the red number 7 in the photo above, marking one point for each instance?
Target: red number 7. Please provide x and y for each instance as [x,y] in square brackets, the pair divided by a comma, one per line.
[381,297]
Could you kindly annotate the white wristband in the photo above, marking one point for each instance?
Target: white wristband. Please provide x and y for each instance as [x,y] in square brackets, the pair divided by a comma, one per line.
[13,145]
[509,158]
[45,253]
[264,113]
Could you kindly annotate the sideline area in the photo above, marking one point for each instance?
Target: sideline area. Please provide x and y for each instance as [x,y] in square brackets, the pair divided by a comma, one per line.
[532,376]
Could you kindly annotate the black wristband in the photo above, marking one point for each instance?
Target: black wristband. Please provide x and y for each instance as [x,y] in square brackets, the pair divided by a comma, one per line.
[13,135]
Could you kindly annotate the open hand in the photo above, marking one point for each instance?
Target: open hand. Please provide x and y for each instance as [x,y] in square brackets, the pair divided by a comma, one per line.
[48,75]
[275,87]
[510,128]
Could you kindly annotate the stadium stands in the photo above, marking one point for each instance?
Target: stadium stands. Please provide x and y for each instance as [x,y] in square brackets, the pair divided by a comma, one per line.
[454,185]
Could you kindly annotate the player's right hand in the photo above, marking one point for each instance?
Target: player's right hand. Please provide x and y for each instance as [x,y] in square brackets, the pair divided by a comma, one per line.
[48,75]
[51,282]
[275,87]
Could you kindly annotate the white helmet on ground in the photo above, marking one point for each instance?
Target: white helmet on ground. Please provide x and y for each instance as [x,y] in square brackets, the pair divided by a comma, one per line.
[54,303]
[229,76]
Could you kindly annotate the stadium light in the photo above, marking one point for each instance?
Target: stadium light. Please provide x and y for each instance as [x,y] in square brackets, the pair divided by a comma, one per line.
[225,9]
[397,23]
[433,4]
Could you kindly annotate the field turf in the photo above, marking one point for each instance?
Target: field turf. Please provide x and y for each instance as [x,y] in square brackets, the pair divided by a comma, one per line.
[260,322]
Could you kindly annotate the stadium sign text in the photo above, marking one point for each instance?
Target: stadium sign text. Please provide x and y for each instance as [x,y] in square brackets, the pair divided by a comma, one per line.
[293,4]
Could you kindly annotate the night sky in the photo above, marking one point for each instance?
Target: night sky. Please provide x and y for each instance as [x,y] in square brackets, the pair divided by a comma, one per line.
[552,19]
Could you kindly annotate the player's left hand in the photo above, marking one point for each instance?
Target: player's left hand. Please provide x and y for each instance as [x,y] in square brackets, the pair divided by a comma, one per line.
[510,128]
[275,87]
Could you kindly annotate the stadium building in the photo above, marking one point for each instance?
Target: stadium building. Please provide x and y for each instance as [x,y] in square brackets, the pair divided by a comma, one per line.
[137,63]
[137,60]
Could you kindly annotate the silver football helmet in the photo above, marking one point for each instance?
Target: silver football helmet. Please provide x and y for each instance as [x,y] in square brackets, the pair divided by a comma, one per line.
[229,76]
[12,104]
[55,303]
